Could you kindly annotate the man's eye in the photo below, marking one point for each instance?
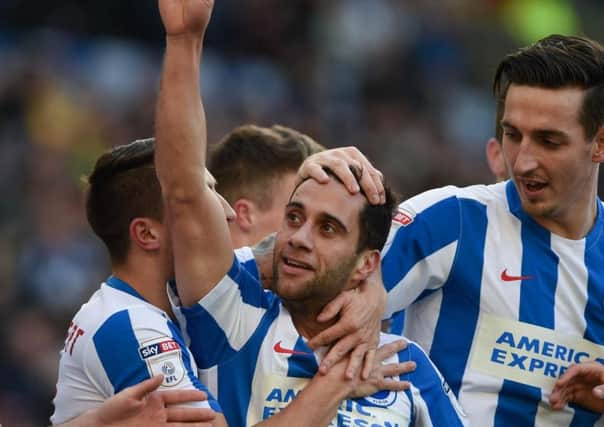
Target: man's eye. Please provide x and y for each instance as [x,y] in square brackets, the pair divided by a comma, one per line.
[328,228]
[293,218]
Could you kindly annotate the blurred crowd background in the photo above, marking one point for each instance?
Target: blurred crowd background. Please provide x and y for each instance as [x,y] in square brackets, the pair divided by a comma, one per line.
[406,81]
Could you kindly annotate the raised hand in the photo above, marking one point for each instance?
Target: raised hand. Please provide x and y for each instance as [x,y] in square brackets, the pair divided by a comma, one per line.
[340,160]
[185,17]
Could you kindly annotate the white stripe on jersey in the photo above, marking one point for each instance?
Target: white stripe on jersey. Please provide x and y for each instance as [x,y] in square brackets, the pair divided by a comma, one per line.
[245,320]
[571,298]
[427,274]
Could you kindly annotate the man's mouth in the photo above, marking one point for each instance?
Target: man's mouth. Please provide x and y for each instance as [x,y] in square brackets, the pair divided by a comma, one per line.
[296,264]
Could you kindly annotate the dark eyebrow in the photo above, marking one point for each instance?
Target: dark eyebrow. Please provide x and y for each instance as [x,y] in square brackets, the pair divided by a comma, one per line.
[548,133]
[541,133]
[506,124]
[324,215]
[327,217]
[295,205]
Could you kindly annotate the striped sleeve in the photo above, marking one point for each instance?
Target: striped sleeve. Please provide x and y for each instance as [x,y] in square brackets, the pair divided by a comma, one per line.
[433,400]
[246,258]
[134,345]
[421,247]
[222,322]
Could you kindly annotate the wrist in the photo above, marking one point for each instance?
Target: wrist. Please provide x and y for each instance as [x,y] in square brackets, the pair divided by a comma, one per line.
[184,41]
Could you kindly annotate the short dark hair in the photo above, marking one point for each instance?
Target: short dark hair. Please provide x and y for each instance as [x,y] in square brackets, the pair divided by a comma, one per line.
[557,62]
[247,160]
[122,186]
[374,220]
[499,109]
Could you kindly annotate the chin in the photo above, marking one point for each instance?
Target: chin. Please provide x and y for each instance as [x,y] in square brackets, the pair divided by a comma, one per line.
[538,209]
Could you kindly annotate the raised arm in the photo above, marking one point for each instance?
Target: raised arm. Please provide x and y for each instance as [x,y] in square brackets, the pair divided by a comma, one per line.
[195,213]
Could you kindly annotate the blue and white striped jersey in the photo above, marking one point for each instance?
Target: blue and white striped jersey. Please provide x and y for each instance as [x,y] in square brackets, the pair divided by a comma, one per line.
[252,357]
[501,305]
[116,340]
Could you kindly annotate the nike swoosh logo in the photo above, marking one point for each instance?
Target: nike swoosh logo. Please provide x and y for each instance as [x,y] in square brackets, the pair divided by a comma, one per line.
[279,349]
[507,278]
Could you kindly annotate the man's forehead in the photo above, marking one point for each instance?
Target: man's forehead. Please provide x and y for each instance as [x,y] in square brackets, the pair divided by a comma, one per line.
[334,191]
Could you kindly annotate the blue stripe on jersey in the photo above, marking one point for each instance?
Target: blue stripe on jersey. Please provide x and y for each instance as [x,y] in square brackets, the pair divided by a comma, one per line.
[514,203]
[235,376]
[540,263]
[117,348]
[431,230]
[516,402]
[594,260]
[251,289]
[201,324]
[594,316]
[302,365]
[186,359]
[583,417]
[251,267]
[461,297]
[432,389]
[397,323]
[120,285]
[537,301]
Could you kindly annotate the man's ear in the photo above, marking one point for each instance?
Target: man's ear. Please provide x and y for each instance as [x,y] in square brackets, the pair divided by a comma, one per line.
[145,233]
[495,159]
[244,209]
[367,263]
[598,154]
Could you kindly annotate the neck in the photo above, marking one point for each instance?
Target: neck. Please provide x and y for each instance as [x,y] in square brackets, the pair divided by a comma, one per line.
[148,279]
[304,316]
[577,221]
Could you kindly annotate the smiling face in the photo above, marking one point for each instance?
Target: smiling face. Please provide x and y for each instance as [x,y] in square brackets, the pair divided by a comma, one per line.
[553,165]
[316,248]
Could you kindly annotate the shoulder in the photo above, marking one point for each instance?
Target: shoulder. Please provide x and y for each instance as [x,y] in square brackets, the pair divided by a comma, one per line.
[108,306]
[481,193]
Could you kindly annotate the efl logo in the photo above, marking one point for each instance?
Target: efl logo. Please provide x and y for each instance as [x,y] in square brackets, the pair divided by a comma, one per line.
[158,348]
[403,217]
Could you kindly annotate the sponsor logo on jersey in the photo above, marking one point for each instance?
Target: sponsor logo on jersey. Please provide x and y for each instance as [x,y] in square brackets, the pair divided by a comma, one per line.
[272,393]
[163,356]
[509,278]
[527,353]
[155,349]
[403,217]
[170,366]
[382,399]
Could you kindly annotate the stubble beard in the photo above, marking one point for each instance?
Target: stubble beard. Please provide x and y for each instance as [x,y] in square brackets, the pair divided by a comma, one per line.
[315,293]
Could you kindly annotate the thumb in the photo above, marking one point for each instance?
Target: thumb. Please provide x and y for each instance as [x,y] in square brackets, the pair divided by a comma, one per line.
[599,391]
[139,391]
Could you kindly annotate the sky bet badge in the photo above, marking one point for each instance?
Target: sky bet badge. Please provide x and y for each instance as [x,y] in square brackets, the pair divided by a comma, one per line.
[163,356]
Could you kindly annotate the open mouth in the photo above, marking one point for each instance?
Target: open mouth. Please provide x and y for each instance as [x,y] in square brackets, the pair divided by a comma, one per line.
[532,188]
[296,264]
